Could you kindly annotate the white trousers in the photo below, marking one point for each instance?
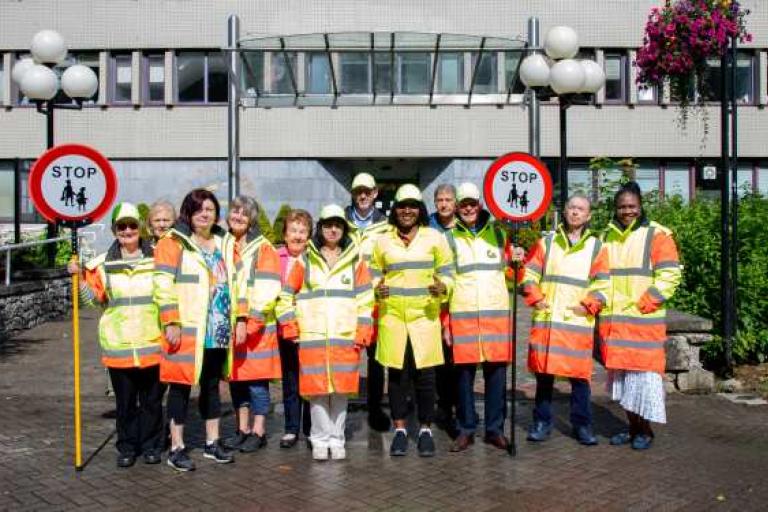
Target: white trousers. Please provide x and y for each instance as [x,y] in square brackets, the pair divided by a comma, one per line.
[329,415]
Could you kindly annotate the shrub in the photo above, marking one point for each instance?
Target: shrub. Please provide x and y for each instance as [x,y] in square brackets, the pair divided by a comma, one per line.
[277,227]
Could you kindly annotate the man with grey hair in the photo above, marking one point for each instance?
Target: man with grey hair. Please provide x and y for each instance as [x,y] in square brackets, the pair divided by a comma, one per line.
[444,217]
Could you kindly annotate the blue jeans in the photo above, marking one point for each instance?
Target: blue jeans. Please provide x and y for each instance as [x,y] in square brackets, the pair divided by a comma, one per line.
[252,393]
[293,404]
[581,410]
[495,376]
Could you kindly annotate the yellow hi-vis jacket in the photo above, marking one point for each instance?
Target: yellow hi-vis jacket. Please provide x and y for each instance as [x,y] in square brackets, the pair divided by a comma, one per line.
[366,237]
[563,274]
[258,285]
[129,328]
[645,272]
[333,310]
[410,312]
[479,303]
[182,292]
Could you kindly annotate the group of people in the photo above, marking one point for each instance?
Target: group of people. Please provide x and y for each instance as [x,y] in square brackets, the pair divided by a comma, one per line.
[427,296]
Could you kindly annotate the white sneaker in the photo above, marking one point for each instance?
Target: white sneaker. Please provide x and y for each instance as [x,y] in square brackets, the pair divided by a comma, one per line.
[338,453]
[319,452]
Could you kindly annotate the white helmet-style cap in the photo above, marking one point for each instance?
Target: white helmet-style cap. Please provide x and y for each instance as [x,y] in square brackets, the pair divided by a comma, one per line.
[467,191]
[332,211]
[125,211]
[408,192]
[363,180]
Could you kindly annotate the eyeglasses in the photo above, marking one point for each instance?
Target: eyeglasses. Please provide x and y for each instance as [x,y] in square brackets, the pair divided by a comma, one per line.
[122,226]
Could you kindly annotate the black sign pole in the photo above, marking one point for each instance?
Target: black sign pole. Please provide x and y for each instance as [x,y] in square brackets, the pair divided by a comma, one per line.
[512,447]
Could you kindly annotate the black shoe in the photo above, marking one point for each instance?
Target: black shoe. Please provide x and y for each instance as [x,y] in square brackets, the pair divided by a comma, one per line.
[216,452]
[151,457]
[234,442]
[584,435]
[539,431]
[399,446]
[253,443]
[125,460]
[378,421]
[426,444]
[289,440]
[180,461]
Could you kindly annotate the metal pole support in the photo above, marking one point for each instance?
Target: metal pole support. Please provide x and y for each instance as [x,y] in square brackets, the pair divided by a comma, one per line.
[233,112]
[534,109]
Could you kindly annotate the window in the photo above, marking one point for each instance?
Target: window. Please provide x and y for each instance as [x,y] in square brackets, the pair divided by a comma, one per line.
[579,179]
[511,68]
[745,79]
[647,176]
[122,77]
[201,77]
[6,190]
[2,77]
[450,73]
[615,78]
[414,73]
[744,185]
[677,182]
[762,179]
[486,76]
[382,63]
[253,72]
[154,81]
[354,73]
[647,94]
[282,77]
[318,73]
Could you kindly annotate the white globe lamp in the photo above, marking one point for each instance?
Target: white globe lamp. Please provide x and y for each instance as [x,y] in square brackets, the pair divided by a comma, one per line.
[566,77]
[534,71]
[21,68]
[594,76]
[40,83]
[79,82]
[561,43]
[48,47]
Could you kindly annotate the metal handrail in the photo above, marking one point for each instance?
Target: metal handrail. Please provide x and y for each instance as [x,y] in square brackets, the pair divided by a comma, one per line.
[24,245]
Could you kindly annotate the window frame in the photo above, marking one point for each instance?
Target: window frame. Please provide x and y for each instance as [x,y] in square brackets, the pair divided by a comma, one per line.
[146,56]
[113,66]
[206,78]
[623,77]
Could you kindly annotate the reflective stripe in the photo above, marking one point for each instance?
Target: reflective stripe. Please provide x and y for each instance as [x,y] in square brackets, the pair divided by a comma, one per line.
[289,289]
[257,315]
[120,267]
[313,370]
[169,307]
[636,320]
[376,273]
[444,270]
[130,301]
[286,317]
[342,294]
[602,275]
[534,268]
[640,272]
[580,354]
[411,265]
[344,367]
[488,313]
[596,250]
[647,248]
[165,268]
[462,269]
[128,352]
[644,345]
[333,342]
[462,340]
[363,288]
[599,296]
[407,292]
[564,280]
[188,278]
[666,264]
[547,247]
[266,354]
[179,358]
[261,274]
[655,293]
[562,326]
[189,331]
[364,320]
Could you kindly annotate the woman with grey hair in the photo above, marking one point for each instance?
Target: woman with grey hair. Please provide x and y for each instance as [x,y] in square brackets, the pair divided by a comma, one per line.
[161,217]
[257,360]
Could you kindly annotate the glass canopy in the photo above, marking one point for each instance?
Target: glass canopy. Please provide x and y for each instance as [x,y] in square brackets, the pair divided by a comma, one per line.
[378,68]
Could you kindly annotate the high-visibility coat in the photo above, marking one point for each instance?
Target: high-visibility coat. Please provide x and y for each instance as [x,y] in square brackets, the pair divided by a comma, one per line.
[333,310]
[644,274]
[365,237]
[129,328]
[563,274]
[410,312]
[258,284]
[479,303]
[182,292]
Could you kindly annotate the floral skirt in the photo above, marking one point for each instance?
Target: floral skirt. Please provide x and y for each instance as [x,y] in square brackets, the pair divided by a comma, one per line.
[639,392]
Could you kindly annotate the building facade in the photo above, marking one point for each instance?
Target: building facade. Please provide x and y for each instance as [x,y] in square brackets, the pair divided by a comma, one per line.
[160,113]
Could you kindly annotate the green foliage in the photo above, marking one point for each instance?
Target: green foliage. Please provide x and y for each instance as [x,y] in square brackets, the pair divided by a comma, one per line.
[277,227]
[265,225]
[37,257]
[143,208]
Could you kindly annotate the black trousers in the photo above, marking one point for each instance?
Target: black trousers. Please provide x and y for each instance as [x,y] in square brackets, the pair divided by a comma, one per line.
[139,401]
[209,400]
[447,383]
[375,380]
[412,381]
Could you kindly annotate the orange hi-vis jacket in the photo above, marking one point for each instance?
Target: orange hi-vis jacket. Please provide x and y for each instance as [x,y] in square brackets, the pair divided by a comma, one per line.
[563,274]
[258,279]
[479,303]
[333,309]
[645,272]
[182,292]
[129,328]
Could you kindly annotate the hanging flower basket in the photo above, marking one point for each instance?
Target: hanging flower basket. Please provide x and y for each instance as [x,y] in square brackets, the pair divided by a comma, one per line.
[679,38]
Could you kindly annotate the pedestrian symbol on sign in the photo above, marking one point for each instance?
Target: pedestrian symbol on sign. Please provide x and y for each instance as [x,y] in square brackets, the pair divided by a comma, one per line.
[68,194]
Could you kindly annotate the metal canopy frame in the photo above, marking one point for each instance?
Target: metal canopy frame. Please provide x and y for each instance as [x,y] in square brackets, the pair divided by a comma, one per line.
[254,91]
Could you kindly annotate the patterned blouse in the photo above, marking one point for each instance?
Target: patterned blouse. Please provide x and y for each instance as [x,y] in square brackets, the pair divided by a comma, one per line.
[218,330]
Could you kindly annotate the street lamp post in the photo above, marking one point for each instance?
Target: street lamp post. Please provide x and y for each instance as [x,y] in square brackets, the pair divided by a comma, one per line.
[40,83]
[567,78]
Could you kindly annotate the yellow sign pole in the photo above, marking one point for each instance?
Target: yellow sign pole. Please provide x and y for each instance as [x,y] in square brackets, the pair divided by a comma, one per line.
[76,352]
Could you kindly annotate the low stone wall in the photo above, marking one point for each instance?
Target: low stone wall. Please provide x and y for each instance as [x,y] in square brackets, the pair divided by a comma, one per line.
[686,334]
[26,304]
